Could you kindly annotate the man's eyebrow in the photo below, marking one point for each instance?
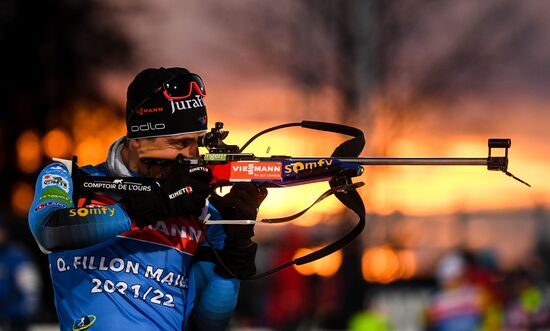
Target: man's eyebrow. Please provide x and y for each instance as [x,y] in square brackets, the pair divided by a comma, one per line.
[181,140]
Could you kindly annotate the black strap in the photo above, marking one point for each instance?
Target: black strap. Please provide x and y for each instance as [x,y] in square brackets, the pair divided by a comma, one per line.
[349,148]
[352,200]
[344,190]
[323,196]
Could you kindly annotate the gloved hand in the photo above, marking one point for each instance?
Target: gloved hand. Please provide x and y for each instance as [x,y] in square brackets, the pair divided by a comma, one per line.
[186,189]
[239,251]
[182,193]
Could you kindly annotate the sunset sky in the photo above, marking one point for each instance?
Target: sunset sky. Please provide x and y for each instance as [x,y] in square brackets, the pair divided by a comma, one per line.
[249,98]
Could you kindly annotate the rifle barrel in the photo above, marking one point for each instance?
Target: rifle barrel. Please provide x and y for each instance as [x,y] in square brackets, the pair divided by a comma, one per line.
[460,161]
[416,161]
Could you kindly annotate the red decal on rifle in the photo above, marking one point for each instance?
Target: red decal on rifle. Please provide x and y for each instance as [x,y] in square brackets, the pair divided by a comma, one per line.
[246,170]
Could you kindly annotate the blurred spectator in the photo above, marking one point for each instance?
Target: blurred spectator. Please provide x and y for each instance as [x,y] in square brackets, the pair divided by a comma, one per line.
[526,309]
[483,271]
[19,285]
[288,303]
[461,304]
[372,318]
[369,320]
[342,295]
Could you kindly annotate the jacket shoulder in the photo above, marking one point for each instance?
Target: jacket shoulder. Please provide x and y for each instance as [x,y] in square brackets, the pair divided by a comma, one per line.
[97,170]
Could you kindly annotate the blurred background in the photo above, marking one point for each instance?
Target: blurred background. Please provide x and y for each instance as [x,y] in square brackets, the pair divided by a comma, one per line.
[420,78]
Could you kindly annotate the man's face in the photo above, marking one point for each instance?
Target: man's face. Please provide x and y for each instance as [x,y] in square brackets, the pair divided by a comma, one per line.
[166,148]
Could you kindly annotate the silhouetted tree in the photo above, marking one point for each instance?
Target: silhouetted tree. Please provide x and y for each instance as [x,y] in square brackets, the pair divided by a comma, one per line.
[316,44]
[408,54]
[53,52]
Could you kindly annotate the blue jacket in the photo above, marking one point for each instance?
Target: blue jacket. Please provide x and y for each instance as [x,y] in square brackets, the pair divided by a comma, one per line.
[108,274]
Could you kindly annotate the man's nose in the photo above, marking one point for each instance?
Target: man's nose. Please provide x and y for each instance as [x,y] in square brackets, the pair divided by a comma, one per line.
[194,151]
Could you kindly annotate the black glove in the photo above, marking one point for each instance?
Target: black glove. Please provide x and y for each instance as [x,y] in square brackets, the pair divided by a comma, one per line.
[186,189]
[182,193]
[239,251]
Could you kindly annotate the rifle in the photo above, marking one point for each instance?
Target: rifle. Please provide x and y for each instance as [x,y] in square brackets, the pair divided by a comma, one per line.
[229,164]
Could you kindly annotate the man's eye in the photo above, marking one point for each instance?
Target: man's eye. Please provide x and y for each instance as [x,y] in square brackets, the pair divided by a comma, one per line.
[184,143]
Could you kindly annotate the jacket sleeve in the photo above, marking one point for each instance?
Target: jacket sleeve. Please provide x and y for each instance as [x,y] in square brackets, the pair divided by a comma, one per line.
[215,296]
[57,225]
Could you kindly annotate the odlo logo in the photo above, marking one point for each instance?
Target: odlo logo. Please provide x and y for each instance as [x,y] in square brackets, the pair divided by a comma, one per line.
[147,127]
[84,322]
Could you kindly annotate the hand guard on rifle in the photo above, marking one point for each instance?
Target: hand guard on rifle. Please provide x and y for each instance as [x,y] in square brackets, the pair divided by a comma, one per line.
[239,251]
[182,193]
